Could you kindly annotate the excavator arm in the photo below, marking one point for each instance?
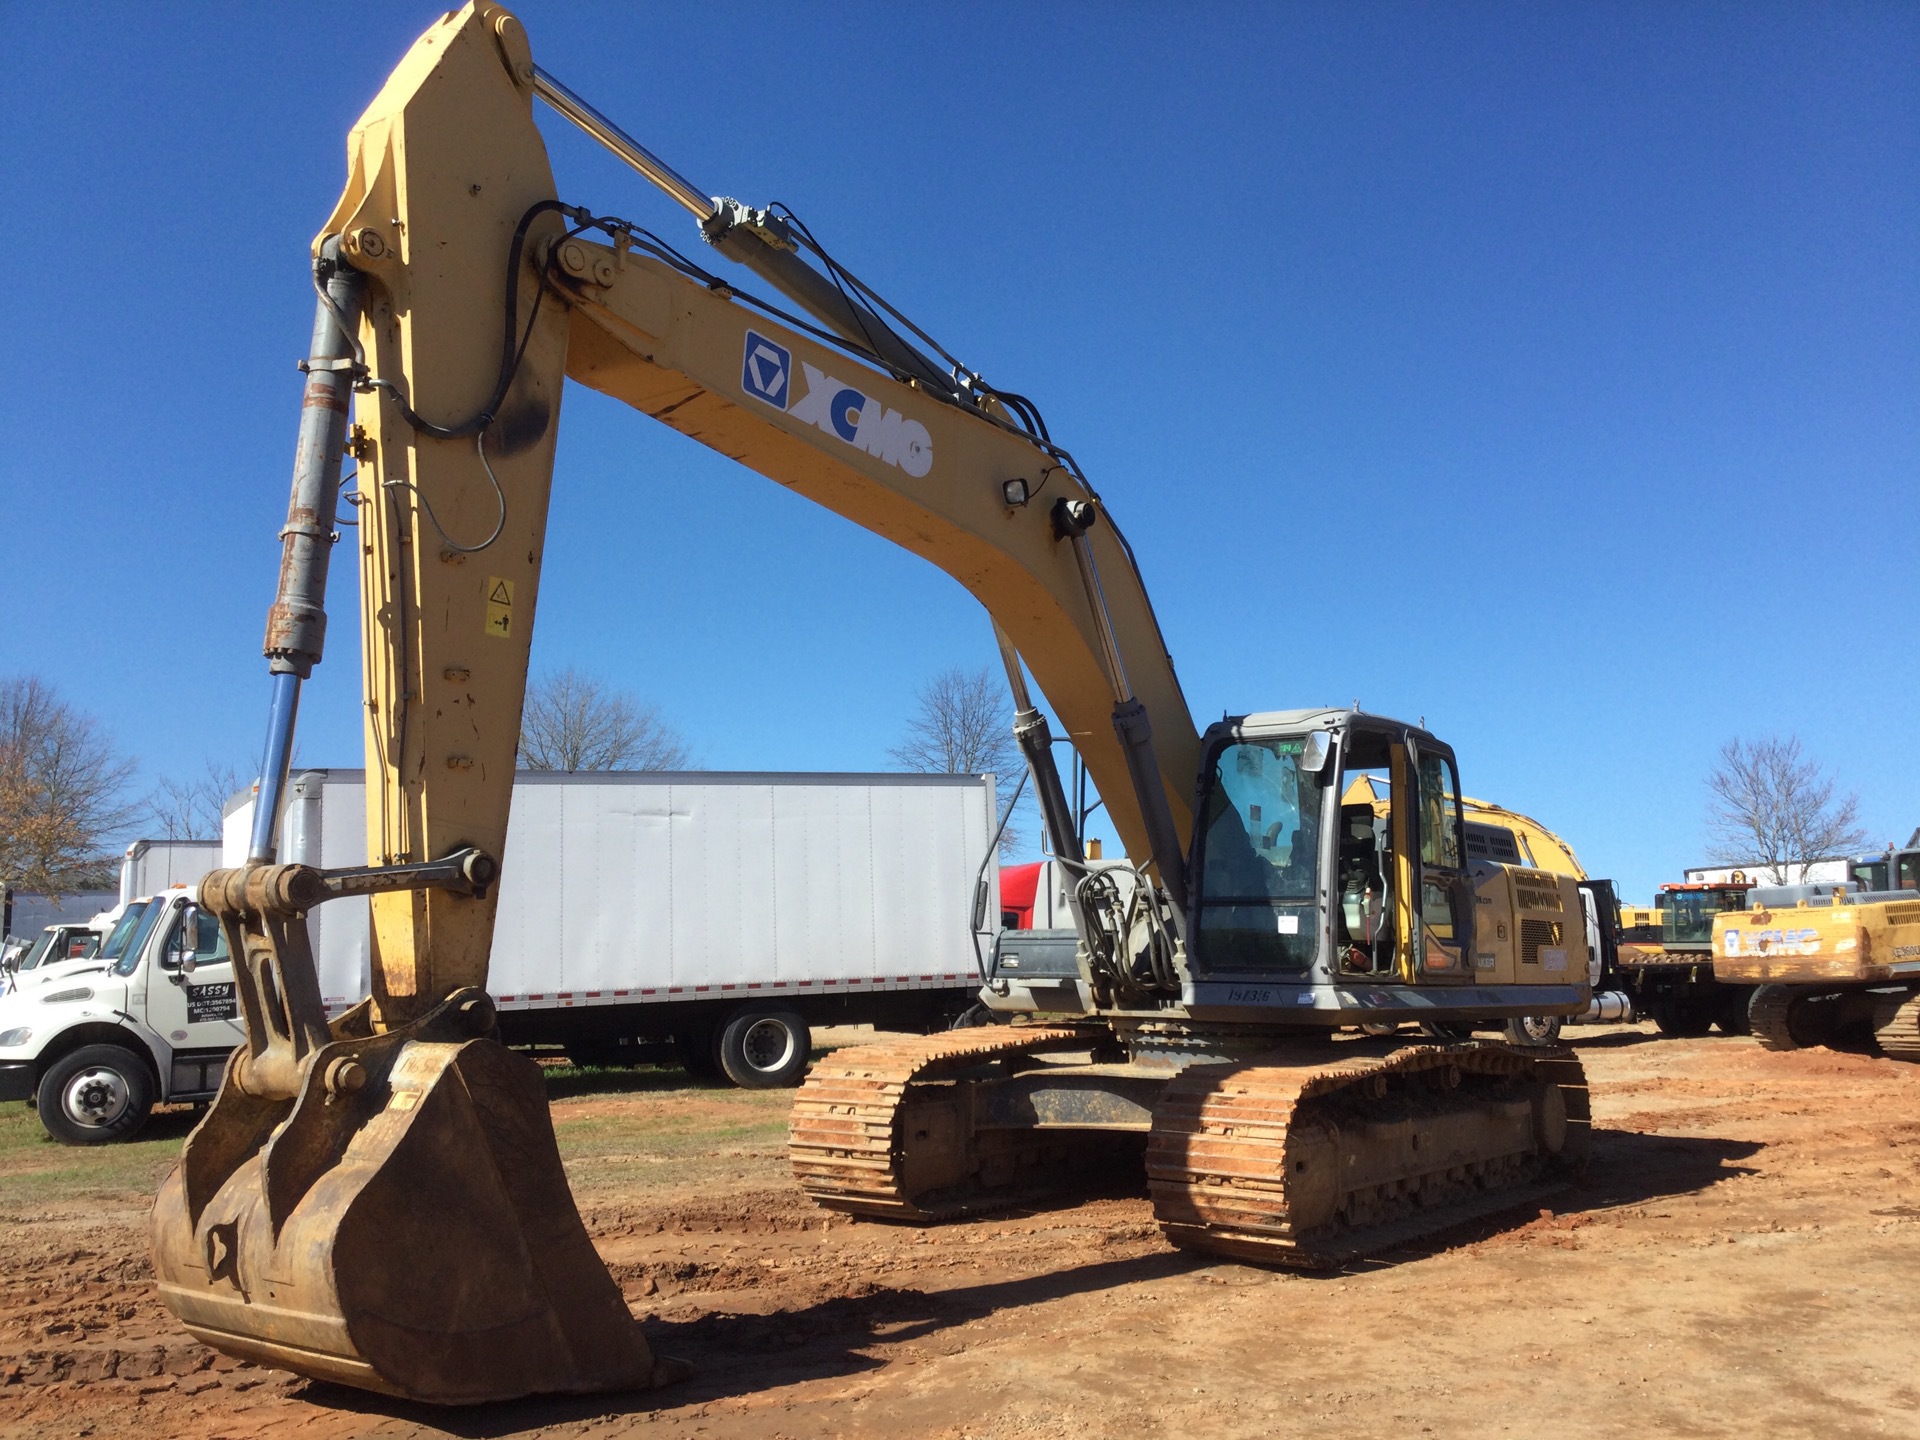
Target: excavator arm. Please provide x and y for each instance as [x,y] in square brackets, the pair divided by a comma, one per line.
[445,169]
[377,1198]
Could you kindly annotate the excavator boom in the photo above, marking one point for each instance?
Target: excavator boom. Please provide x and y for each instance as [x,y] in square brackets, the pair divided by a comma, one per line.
[455,292]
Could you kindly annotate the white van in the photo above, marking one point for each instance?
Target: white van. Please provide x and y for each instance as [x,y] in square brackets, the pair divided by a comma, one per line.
[94,1044]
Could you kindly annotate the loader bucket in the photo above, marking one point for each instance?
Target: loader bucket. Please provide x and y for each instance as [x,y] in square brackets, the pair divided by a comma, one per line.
[403,1225]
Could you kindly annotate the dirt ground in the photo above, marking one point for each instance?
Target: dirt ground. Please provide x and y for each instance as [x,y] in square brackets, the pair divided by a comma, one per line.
[1742,1261]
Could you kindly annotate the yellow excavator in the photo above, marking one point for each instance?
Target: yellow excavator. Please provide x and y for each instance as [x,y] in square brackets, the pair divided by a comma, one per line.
[1833,964]
[378,1200]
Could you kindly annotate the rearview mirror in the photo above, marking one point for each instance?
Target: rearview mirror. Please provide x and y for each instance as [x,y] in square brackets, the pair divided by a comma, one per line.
[1313,758]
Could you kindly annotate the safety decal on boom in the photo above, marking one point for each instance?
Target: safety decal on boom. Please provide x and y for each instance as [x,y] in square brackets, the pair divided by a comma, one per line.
[499,621]
[834,407]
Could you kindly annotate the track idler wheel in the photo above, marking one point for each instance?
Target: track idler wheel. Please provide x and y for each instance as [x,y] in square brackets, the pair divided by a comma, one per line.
[402,1225]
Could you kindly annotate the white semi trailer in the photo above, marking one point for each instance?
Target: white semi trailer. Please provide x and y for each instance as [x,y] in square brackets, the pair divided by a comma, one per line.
[724,913]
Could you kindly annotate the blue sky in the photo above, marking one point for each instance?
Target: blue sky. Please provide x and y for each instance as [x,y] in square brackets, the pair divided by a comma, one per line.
[1548,372]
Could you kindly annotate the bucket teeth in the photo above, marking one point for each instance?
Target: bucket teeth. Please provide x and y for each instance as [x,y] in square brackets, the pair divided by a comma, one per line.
[404,1227]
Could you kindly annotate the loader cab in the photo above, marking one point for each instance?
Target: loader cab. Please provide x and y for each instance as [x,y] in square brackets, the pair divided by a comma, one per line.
[1329,841]
[1687,911]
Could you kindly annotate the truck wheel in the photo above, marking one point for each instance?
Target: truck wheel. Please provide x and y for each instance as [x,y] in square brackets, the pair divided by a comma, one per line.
[1534,1030]
[764,1049]
[1730,1013]
[1682,1019]
[94,1095]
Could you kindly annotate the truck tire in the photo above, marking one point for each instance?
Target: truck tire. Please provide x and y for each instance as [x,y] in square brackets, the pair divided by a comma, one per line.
[1682,1017]
[1730,1012]
[764,1048]
[95,1095]
[1534,1030]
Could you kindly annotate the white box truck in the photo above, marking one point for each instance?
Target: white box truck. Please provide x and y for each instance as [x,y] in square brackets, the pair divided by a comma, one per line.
[151,866]
[724,913]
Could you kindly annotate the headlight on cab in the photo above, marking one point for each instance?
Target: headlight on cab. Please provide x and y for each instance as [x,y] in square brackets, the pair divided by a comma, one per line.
[19,1035]
[62,997]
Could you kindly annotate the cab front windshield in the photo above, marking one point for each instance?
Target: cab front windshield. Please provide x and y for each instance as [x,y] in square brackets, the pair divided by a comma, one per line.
[136,945]
[123,929]
[38,953]
[1690,913]
[1259,861]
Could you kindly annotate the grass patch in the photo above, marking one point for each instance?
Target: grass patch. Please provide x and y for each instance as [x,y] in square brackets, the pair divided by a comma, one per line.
[38,1173]
[608,1122]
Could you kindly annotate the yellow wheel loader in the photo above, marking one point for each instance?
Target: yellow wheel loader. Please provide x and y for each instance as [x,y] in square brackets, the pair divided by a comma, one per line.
[378,1200]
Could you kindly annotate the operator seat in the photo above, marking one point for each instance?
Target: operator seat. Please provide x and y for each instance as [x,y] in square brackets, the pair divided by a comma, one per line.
[1365,916]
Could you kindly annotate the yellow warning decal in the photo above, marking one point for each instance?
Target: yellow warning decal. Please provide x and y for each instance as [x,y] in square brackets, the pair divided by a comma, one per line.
[499,607]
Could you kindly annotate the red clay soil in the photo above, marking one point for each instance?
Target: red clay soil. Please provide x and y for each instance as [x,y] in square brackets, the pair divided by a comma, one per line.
[1742,1261]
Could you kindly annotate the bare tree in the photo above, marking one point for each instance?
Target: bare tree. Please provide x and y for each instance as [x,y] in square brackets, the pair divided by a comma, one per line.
[963,725]
[193,809]
[61,792]
[573,722]
[1770,803]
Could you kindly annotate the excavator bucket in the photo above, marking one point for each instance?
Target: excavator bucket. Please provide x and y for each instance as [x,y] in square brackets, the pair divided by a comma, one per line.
[378,1200]
[402,1222]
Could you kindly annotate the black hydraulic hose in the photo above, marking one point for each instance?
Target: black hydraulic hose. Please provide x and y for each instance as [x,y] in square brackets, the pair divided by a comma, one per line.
[512,348]
[988,980]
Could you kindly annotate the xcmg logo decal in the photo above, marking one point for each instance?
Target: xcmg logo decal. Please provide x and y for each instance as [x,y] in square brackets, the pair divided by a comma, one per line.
[832,405]
[1771,942]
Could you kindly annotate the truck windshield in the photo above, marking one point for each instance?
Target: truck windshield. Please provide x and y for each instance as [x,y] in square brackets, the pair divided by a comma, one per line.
[123,929]
[33,957]
[129,960]
[1259,860]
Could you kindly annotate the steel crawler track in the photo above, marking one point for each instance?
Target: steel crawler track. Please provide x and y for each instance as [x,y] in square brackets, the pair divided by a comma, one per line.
[1314,1165]
[1280,1161]
[844,1139]
[1896,1028]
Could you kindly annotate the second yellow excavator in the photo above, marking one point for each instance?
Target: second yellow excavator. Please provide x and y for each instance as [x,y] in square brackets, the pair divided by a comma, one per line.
[379,1200]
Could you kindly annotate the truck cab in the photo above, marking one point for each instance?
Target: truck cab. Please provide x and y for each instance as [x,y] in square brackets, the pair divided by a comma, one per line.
[53,947]
[151,1019]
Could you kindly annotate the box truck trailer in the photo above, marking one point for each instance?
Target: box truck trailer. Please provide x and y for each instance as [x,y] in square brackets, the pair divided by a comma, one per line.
[723,913]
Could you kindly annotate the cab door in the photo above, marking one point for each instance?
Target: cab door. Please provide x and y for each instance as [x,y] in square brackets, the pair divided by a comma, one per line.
[194,1006]
[1442,928]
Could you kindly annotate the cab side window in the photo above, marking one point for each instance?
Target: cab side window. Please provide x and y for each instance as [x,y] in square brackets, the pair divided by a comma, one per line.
[199,934]
[1441,850]
[1439,819]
